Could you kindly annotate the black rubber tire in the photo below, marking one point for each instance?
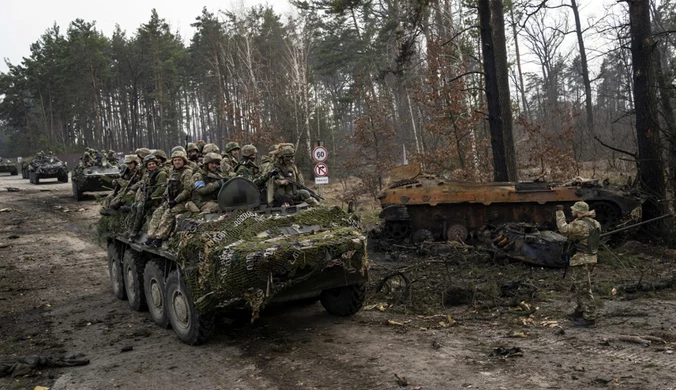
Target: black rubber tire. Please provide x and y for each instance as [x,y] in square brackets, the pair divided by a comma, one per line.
[115,270]
[24,173]
[36,179]
[344,301]
[154,280]
[190,326]
[63,178]
[14,172]
[30,177]
[76,191]
[132,269]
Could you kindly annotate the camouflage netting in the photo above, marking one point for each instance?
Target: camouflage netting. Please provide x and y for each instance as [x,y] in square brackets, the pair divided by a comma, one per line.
[250,256]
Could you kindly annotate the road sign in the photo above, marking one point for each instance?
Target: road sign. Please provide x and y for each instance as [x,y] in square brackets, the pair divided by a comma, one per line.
[320,154]
[321,170]
[321,180]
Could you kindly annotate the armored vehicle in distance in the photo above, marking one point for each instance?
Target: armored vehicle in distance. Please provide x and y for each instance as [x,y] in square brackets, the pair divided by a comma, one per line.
[47,167]
[419,207]
[8,166]
[98,177]
[245,256]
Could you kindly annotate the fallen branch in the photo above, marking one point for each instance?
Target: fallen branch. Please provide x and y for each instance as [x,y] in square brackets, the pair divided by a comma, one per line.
[634,339]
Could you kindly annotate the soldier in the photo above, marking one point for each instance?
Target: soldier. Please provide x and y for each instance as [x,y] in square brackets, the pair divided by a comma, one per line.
[585,231]
[267,159]
[149,195]
[229,163]
[86,160]
[128,177]
[162,156]
[200,147]
[288,173]
[248,168]
[112,157]
[178,191]
[206,183]
[193,152]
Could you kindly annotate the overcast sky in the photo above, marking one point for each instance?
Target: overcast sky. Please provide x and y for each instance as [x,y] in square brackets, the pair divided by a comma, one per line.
[23,21]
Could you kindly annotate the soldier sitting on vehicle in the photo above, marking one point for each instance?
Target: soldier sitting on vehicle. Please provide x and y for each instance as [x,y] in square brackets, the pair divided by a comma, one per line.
[112,157]
[249,170]
[129,175]
[287,181]
[149,195]
[229,163]
[178,192]
[193,153]
[206,183]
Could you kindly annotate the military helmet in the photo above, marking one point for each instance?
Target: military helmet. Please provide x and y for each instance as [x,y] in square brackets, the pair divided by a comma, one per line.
[580,207]
[273,148]
[249,150]
[175,148]
[212,157]
[179,154]
[200,145]
[149,158]
[230,146]
[143,152]
[210,148]
[160,154]
[286,150]
[130,158]
[111,151]
[192,146]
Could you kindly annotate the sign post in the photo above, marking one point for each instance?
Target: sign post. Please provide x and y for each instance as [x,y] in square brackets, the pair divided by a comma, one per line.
[321,170]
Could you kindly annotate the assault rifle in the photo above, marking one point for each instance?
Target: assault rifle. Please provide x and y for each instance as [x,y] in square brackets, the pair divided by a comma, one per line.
[287,177]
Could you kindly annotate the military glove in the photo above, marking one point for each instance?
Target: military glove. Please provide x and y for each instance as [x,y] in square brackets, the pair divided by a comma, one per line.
[172,203]
[559,207]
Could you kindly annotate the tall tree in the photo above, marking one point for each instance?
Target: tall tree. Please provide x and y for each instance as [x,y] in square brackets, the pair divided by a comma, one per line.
[497,89]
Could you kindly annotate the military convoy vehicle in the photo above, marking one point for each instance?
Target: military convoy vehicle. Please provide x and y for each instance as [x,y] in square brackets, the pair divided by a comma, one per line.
[47,167]
[94,178]
[8,166]
[419,207]
[24,166]
[245,256]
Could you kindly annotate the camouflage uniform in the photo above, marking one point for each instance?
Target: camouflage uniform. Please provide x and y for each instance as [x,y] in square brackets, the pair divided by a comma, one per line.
[584,258]
[206,184]
[128,177]
[248,168]
[150,194]
[288,170]
[229,163]
[179,185]
[193,154]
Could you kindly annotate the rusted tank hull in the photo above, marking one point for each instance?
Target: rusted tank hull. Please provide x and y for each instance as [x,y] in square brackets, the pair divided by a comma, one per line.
[424,207]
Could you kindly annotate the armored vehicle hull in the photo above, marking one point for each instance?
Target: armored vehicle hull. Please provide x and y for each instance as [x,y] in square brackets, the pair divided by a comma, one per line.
[93,179]
[421,207]
[9,167]
[47,168]
[244,257]
[25,164]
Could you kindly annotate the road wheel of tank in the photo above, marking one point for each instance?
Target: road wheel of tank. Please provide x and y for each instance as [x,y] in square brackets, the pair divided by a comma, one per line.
[132,269]
[77,194]
[14,172]
[155,292]
[190,326]
[36,179]
[607,213]
[115,270]
[63,178]
[24,173]
[30,177]
[344,301]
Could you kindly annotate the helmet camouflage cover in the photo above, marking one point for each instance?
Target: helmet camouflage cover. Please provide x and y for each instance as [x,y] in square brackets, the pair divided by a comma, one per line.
[192,146]
[175,148]
[230,146]
[149,158]
[143,152]
[210,148]
[159,153]
[179,154]
[249,150]
[212,157]
[130,158]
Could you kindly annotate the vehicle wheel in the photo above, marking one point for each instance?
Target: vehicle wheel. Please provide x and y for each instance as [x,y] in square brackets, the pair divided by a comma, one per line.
[24,173]
[30,177]
[155,292]
[14,172]
[36,179]
[132,269]
[115,270]
[190,326]
[344,301]
[76,191]
[64,178]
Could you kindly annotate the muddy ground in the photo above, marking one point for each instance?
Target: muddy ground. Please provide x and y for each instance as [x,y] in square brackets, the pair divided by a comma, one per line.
[55,300]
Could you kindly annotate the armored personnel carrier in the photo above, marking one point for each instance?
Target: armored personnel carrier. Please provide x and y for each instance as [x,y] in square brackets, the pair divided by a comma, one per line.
[47,167]
[245,256]
[419,207]
[8,166]
[98,177]
[25,163]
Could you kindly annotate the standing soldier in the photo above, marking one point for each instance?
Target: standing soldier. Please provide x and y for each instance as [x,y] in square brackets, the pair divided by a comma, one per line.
[585,232]
[206,183]
[149,195]
[178,191]
[229,163]
[288,173]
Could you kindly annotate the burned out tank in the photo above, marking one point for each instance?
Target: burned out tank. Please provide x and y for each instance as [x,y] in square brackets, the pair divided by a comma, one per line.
[419,207]
[95,178]
[47,167]
[8,166]
[245,256]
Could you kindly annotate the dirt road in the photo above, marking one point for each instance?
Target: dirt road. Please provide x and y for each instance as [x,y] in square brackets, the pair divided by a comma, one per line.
[55,300]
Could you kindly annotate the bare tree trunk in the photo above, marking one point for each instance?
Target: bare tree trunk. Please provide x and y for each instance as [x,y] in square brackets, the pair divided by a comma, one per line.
[497,89]
[522,89]
[585,70]
[651,166]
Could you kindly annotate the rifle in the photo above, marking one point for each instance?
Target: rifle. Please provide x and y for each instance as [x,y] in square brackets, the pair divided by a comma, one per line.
[302,187]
